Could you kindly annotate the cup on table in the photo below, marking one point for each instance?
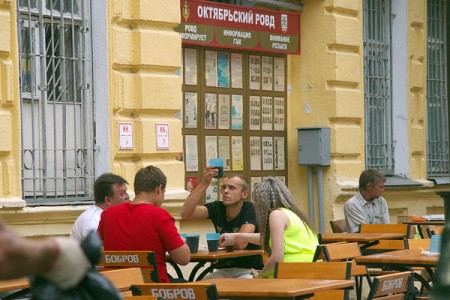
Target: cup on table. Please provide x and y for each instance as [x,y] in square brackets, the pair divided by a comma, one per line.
[192,241]
[212,238]
[184,235]
[228,243]
[218,164]
[435,244]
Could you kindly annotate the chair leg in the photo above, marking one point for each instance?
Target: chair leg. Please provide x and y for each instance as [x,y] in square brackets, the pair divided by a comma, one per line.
[358,287]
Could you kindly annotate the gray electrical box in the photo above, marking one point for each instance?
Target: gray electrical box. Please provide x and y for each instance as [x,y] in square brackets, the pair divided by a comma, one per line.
[314,146]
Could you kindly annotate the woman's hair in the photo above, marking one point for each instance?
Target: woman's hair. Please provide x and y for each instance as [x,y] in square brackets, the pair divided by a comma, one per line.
[271,194]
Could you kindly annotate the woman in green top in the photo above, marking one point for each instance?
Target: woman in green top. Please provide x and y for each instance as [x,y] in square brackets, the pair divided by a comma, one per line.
[285,231]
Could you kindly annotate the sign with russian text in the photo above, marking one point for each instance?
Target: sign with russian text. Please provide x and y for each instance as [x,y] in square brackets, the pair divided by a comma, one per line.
[162,136]
[125,135]
[239,27]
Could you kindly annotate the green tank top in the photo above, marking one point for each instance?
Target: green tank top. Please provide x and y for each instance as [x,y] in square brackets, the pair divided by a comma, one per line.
[299,243]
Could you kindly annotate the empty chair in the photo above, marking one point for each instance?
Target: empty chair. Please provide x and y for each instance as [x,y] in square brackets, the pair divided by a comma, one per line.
[423,244]
[386,245]
[338,226]
[128,259]
[432,230]
[391,287]
[122,279]
[178,291]
[317,270]
[347,252]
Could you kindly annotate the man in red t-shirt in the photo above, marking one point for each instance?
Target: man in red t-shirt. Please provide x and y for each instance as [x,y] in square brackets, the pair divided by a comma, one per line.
[143,224]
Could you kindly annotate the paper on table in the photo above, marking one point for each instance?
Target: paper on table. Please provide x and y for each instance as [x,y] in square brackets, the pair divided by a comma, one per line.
[435,217]
[427,253]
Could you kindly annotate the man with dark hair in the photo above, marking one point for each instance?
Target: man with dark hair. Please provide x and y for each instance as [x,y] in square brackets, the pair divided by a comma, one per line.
[367,206]
[233,214]
[143,224]
[109,190]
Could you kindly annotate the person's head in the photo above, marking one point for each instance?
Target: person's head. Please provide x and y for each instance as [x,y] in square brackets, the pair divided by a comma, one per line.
[235,188]
[110,189]
[371,183]
[271,194]
[151,179]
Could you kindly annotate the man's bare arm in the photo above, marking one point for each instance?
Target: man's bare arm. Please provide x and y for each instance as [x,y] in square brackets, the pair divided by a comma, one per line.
[191,209]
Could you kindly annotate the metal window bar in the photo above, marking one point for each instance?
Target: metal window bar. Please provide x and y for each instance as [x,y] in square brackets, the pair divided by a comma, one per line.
[437,94]
[379,145]
[56,100]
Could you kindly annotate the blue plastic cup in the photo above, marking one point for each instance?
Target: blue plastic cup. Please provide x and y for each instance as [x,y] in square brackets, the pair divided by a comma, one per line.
[435,244]
[218,164]
[212,238]
[192,241]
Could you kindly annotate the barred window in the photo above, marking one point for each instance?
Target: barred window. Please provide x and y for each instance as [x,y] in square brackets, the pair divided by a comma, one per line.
[56,100]
[437,94]
[379,146]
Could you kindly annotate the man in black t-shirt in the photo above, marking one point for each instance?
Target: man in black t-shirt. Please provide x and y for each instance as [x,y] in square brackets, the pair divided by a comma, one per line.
[233,214]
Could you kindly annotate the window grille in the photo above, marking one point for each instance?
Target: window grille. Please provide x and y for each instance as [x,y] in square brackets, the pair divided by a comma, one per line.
[437,94]
[378,85]
[56,100]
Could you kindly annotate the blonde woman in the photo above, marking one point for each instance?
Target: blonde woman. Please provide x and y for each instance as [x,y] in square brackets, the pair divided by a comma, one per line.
[285,231]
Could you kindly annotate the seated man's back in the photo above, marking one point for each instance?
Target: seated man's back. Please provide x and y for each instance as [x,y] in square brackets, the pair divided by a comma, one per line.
[143,224]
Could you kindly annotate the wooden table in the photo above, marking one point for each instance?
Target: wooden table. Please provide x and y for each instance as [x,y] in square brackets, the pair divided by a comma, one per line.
[419,225]
[363,238]
[217,259]
[402,260]
[14,284]
[262,289]
[20,284]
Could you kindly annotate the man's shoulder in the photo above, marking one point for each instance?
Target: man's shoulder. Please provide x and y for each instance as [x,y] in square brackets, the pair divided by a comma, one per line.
[247,205]
[91,211]
[381,200]
[352,200]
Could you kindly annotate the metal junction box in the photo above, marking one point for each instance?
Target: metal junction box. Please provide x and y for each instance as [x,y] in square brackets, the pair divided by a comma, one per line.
[314,146]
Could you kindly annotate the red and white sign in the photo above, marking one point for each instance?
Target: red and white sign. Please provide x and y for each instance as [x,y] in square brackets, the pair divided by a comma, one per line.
[162,136]
[125,135]
[239,27]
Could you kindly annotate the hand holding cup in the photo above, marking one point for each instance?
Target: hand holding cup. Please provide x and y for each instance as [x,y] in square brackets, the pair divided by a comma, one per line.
[217,163]
[227,241]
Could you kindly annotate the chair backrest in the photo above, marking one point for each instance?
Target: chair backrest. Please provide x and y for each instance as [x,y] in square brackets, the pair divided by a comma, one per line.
[316,270]
[385,228]
[142,298]
[131,259]
[418,244]
[345,252]
[338,226]
[392,286]
[432,230]
[387,245]
[123,278]
[178,291]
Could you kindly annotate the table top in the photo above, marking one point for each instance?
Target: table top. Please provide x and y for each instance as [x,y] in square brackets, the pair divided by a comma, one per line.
[442,222]
[14,284]
[407,257]
[358,237]
[275,288]
[205,255]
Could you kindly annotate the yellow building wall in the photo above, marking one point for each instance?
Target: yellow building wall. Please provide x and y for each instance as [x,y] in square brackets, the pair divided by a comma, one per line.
[327,90]
[10,158]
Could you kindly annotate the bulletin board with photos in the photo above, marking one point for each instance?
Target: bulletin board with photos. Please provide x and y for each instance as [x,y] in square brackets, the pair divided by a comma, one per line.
[235,108]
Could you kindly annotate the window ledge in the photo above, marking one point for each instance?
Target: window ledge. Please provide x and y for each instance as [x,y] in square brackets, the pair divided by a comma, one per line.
[396,182]
[12,203]
[440,180]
